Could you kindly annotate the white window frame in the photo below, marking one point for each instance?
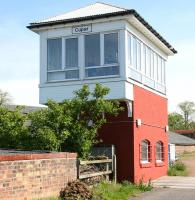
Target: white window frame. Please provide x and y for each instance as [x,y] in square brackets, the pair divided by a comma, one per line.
[153,75]
[63,67]
[102,64]
[147,151]
[161,152]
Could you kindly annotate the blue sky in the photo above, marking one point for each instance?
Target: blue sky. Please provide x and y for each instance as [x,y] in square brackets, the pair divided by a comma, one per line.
[19,47]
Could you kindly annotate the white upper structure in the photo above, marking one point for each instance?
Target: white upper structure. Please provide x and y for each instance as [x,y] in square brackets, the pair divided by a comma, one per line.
[100,43]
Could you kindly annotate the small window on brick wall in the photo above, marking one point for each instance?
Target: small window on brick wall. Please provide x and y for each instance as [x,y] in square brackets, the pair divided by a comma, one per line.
[145,151]
[159,152]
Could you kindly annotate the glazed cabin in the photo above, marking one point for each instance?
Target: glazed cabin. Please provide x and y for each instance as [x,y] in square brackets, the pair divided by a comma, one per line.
[116,47]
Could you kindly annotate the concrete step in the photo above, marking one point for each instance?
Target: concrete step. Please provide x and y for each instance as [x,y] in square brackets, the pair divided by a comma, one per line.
[175,182]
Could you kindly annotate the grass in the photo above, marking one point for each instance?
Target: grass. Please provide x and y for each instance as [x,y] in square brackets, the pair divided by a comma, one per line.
[177,169]
[112,191]
[116,191]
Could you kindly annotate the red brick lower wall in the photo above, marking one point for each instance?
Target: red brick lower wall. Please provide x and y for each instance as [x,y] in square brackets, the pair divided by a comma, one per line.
[182,149]
[35,176]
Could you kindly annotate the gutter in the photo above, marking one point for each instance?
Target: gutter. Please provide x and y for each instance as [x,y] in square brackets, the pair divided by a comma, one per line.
[121,13]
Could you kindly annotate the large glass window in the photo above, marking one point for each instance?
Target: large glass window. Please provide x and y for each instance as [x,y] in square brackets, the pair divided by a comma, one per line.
[155,67]
[148,62]
[93,55]
[145,151]
[129,50]
[163,72]
[92,50]
[134,53]
[54,54]
[111,48]
[139,55]
[71,52]
[71,58]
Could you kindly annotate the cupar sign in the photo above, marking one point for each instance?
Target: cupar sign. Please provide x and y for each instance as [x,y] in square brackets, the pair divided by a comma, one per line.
[82,29]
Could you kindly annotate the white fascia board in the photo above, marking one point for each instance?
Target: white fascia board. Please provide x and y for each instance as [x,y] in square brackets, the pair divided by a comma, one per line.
[103,20]
[138,25]
[57,92]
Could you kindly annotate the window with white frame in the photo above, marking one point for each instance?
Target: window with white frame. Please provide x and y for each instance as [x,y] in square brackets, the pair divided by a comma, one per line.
[159,152]
[111,48]
[101,60]
[145,62]
[92,50]
[145,151]
[71,58]
[56,56]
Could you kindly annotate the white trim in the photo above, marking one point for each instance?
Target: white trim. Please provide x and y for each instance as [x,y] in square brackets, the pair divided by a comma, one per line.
[100,77]
[63,53]
[81,61]
[144,162]
[101,49]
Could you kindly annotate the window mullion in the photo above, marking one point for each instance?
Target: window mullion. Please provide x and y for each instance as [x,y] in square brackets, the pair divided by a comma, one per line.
[63,53]
[101,49]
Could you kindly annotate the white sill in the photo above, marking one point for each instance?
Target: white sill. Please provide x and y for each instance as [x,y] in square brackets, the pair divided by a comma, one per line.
[145,162]
[159,161]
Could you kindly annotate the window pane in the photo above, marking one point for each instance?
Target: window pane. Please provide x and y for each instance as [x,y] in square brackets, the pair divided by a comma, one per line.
[129,50]
[103,71]
[54,54]
[144,59]
[159,69]
[159,151]
[72,74]
[72,52]
[152,65]
[92,50]
[139,56]
[55,76]
[155,67]
[163,72]
[134,53]
[111,48]
[144,151]
[148,62]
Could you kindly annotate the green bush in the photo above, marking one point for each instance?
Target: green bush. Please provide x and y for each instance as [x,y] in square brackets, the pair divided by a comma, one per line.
[73,124]
[12,128]
[177,169]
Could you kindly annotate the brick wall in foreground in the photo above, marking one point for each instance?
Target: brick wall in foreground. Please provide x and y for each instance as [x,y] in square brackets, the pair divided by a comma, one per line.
[34,176]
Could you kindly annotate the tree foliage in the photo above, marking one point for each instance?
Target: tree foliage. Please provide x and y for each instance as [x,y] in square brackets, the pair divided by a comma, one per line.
[73,124]
[183,119]
[187,108]
[176,121]
[12,128]
[4,98]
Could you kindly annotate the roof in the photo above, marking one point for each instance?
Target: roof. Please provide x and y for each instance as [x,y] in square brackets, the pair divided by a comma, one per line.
[175,138]
[97,11]
[185,131]
[25,109]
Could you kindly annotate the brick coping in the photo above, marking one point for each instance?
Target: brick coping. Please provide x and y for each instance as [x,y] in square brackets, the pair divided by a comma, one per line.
[38,156]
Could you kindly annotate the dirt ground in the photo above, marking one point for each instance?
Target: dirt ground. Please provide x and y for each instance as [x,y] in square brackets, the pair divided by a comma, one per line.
[189,160]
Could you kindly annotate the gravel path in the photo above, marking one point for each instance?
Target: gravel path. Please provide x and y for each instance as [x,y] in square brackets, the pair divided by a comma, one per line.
[167,194]
[189,161]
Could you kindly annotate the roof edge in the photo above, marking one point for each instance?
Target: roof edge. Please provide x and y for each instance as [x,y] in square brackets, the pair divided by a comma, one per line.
[125,12]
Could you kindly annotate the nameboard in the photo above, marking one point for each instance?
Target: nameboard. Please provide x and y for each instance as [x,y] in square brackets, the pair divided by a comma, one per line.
[82,29]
